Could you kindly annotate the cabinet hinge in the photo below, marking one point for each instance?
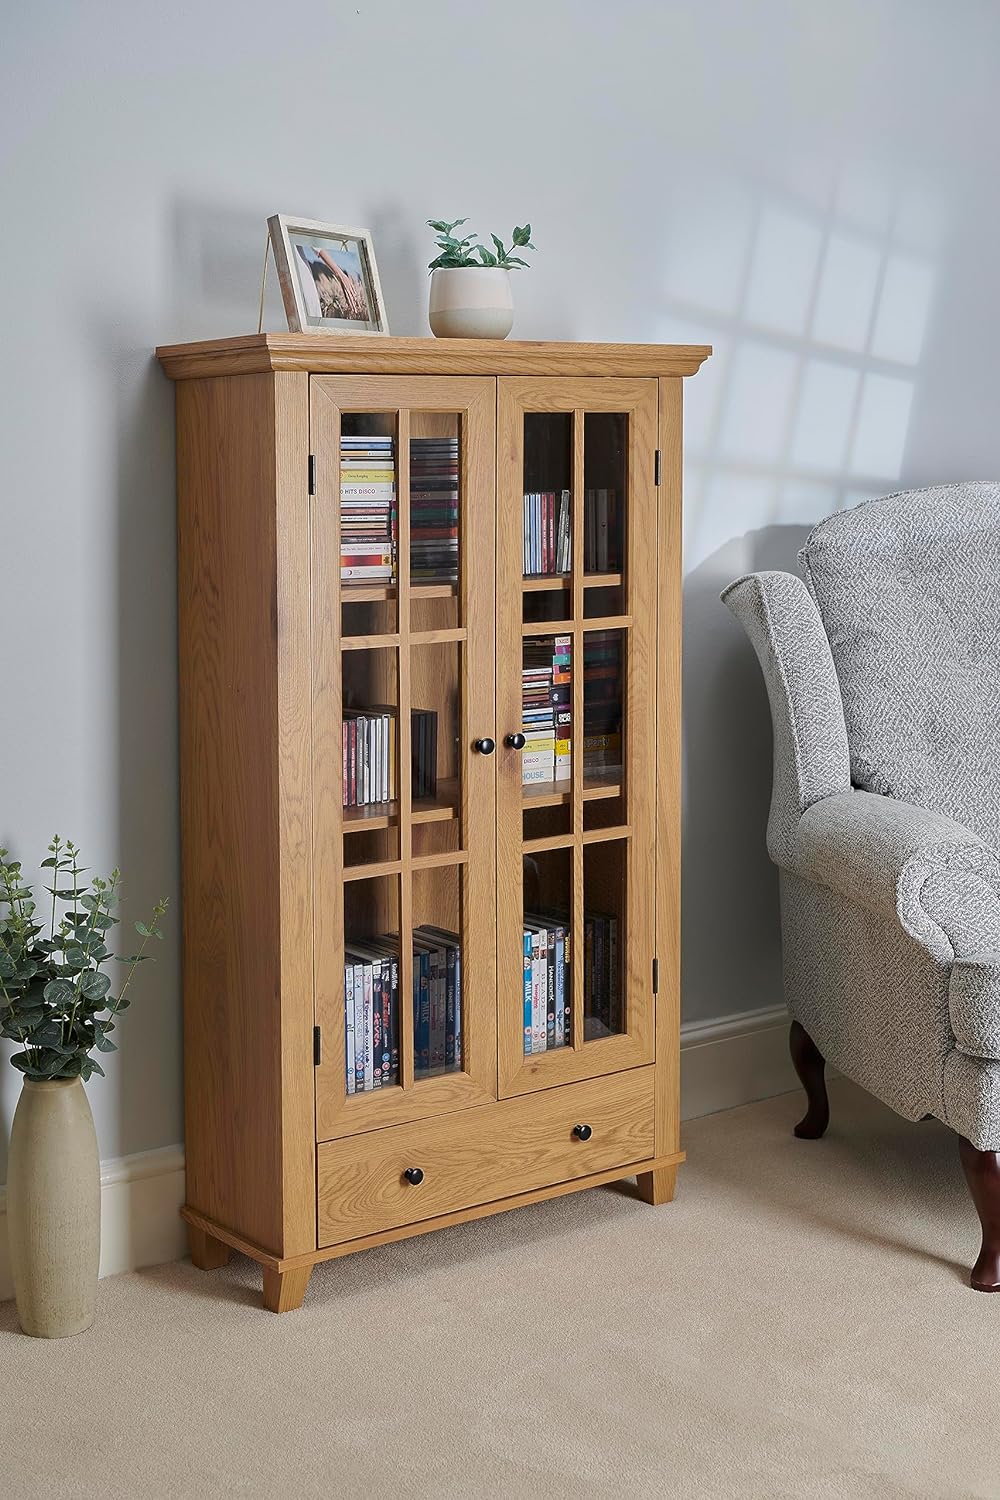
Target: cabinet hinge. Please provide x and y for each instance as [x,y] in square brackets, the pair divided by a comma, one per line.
[656,976]
[317,1047]
[657,466]
[312,474]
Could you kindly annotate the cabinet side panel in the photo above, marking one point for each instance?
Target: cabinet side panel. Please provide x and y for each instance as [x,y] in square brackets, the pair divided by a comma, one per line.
[298,1088]
[668,750]
[227,613]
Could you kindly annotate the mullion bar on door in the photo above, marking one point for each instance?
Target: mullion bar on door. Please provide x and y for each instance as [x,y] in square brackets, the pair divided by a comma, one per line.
[404,771]
[576,743]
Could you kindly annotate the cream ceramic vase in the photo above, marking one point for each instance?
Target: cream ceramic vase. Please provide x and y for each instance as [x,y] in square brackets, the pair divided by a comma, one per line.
[471,302]
[54,1208]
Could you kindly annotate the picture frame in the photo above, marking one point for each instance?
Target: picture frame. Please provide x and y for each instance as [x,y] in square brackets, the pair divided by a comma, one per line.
[328,276]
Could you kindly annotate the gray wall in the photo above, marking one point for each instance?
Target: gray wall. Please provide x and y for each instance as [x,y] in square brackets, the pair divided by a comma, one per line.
[809,186]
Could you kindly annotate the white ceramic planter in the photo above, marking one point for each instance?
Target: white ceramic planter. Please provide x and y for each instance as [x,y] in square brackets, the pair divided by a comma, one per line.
[54,1209]
[471,302]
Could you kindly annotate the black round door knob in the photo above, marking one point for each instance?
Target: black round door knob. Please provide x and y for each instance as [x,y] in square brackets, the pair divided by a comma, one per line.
[414,1175]
[485,747]
[582,1132]
[515,741]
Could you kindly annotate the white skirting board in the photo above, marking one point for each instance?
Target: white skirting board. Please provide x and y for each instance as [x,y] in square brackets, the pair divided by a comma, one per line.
[724,1063]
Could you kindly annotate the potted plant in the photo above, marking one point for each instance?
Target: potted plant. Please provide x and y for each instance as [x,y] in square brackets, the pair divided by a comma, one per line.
[57,1004]
[470,285]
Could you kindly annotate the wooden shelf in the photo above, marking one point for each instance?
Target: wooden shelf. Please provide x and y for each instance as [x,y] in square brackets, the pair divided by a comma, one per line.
[374,593]
[565,581]
[596,785]
[440,809]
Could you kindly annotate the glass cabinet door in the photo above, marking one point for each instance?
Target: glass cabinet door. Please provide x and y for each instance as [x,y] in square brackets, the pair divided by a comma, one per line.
[403,725]
[576,691]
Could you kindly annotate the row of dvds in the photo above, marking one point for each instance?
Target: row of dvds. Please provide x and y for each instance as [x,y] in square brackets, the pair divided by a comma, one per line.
[548,991]
[370,754]
[371,1008]
[546,539]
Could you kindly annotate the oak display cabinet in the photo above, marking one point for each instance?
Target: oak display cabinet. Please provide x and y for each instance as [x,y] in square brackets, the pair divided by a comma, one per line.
[548,876]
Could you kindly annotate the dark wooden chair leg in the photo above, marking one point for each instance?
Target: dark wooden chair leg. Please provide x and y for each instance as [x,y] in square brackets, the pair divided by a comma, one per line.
[982,1173]
[810,1066]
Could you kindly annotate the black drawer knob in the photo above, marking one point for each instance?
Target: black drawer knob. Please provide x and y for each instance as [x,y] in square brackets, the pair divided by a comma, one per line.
[582,1132]
[515,741]
[414,1175]
[485,747]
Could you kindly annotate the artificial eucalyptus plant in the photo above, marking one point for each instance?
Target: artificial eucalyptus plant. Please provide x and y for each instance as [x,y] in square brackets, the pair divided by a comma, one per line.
[55,999]
[457,252]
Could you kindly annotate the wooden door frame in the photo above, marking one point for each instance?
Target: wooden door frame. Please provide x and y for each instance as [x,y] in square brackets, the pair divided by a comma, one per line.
[638,399]
[474,399]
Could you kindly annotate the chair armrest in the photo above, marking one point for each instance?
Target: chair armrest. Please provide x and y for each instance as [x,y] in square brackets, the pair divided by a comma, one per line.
[936,877]
[811,756]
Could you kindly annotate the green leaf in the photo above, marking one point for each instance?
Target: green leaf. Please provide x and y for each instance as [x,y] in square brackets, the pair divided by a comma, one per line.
[522,236]
[95,986]
[142,929]
[58,991]
[487,258]
[515,260]
[104,1045]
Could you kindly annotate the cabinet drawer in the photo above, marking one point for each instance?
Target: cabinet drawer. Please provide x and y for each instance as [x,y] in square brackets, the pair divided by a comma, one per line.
[482,1154]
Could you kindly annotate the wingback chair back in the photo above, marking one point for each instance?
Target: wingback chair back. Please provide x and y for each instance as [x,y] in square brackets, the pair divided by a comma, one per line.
[908,589]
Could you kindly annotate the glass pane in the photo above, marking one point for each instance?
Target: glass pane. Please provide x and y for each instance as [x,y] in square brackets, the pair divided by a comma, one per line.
[370,755]
[435,501]
[605,452]
[368,514]
[604,869]
[437,971]
[548,477]
[546,723]
[435,693]
[603,718]
[371,984]
[547,997]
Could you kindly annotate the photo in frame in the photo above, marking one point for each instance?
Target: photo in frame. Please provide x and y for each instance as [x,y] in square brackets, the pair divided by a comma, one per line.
[328,277]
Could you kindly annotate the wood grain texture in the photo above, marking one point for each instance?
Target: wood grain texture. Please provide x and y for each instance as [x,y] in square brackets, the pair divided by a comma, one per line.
[512,1146]
[657,1186]
[422,668]
[443,1221]
[244,807]
[284,1290]
[668,753]
[207,1252]
[324,354]
[637,400]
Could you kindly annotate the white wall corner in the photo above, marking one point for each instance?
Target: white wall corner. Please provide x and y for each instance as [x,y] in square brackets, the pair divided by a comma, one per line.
[724,1063]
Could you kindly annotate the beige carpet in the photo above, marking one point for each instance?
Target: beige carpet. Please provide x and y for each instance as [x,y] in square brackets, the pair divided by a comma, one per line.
[795,1324]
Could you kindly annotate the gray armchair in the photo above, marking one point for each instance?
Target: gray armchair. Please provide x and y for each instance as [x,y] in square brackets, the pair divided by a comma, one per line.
[883,673]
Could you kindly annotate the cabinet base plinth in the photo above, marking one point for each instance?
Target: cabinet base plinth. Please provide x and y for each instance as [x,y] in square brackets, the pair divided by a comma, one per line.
[286,1278]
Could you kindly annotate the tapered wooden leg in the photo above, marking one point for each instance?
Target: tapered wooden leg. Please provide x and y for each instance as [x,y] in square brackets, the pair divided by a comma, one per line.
[207,1253]
[810,1066]
[982,1173]
[284,1290]
[658,1186]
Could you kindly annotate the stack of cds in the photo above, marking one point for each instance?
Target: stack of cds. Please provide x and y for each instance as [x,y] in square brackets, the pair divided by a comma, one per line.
[367,509]
[434,509]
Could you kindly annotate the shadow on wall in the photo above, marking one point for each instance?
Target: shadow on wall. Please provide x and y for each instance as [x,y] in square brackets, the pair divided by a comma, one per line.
[817,300]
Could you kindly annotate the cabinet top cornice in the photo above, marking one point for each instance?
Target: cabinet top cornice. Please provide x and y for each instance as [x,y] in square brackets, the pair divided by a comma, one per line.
[327,354]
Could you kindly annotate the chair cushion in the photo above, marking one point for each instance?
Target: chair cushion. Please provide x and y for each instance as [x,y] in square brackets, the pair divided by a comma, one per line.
[908,589]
